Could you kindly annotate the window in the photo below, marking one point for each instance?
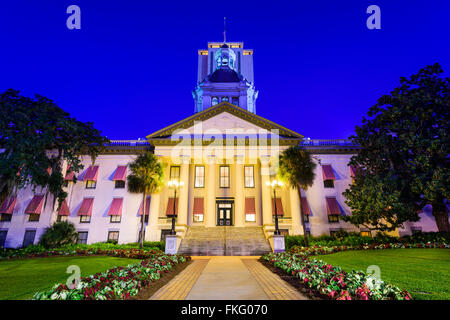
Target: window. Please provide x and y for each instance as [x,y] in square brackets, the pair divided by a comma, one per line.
[5,217]
[85,219]
[365,234]
[214,101]
[91,184]
[61,218]
[33,217]
[333,218]
[3,237]
[224,99]
[82,237]
[224,177]
[164,233]
[115,218]
[415,230]
[249,175]
[146,218]
[113,236]
[235,101]
[28,239]
[174,172]
[199,177]
[328,183]
[119,184]
[306,217]
[139,235]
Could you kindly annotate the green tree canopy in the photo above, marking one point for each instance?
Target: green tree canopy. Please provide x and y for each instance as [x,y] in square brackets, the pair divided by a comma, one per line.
[36,137]
[404,155]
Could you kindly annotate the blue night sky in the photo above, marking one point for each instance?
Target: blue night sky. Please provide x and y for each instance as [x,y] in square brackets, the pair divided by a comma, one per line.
[132,66]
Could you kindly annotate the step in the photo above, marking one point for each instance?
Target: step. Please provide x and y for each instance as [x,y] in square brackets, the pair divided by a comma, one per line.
[224,241]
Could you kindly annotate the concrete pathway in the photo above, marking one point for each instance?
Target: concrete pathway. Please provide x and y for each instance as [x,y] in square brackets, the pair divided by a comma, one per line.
[227,278]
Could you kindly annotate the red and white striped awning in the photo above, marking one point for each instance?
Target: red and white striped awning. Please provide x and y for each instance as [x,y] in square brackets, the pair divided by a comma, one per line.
[69,174]
[35,205]
[116,207]
[327,172]
[8,205]
[332,206]
[147,206]
[121,173]
[91,174]
[353,170]
[199,207]
[86,207]
[250,206]
[280,211]
[169,211]
[305,206]
[64,209]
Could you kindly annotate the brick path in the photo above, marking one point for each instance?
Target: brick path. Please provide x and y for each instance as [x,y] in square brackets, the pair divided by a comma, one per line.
[227,278]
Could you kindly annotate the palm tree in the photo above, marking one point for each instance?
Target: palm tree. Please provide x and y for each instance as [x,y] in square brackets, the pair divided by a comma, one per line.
[297,169]
[146,177]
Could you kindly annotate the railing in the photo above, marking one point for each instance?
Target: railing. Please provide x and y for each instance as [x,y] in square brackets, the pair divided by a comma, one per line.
[128,143]
[327,142]
[305,142]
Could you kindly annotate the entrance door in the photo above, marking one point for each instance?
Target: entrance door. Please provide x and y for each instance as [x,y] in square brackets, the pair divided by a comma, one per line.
[224,213]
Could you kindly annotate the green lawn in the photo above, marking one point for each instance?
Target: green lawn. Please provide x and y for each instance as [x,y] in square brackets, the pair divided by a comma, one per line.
[20,279]
[425,273]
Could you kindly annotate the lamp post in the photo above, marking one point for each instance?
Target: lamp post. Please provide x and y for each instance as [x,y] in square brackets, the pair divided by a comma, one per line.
[175,184]
[274,185]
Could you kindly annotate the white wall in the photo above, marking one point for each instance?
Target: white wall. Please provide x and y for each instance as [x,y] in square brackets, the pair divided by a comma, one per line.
[100,222]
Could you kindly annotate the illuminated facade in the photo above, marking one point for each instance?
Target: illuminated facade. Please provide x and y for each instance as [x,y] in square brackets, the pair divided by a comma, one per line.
[224,153]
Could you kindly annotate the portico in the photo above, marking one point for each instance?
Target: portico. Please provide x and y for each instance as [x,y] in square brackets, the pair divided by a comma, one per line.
[224,156]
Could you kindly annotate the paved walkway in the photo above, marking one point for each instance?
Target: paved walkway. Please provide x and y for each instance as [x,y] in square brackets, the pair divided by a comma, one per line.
[227,278]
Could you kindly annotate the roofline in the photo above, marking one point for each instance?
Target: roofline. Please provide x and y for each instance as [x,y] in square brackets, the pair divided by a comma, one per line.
[219,106]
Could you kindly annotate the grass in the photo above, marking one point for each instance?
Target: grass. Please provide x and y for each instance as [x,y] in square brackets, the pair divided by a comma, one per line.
[20,279]
[425,273]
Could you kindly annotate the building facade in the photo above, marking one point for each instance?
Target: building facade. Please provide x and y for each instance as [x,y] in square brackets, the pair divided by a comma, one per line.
[225,155]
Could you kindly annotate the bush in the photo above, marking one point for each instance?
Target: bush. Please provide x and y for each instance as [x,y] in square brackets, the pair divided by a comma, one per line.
[59,234]
[424,237]
[71,249]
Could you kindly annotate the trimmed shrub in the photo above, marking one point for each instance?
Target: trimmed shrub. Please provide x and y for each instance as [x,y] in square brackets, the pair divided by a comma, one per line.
[59,234]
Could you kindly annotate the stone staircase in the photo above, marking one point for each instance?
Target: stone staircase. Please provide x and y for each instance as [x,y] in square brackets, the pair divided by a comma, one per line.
[224,241]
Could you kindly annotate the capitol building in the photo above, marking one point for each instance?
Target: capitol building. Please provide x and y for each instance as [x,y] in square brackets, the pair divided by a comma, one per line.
[224,154]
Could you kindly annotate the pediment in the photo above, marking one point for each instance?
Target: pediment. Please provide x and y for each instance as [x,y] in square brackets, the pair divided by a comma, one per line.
[224,118]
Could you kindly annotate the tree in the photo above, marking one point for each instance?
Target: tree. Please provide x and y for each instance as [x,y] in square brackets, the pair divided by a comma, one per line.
[60,233]
[296,167]
[37,136]
[146,177]
[404,152]
[376,202]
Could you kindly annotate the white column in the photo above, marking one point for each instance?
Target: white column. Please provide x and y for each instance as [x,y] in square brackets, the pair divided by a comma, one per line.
[183,191]
[297,227]
[266,195]
[153,233]
[211,197]
[239,213]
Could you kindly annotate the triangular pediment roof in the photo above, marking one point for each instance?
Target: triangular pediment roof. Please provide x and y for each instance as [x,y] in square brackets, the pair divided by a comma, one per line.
[218,109]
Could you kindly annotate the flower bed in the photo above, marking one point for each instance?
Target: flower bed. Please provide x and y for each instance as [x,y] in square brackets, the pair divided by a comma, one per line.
[332,281]
[116,283]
